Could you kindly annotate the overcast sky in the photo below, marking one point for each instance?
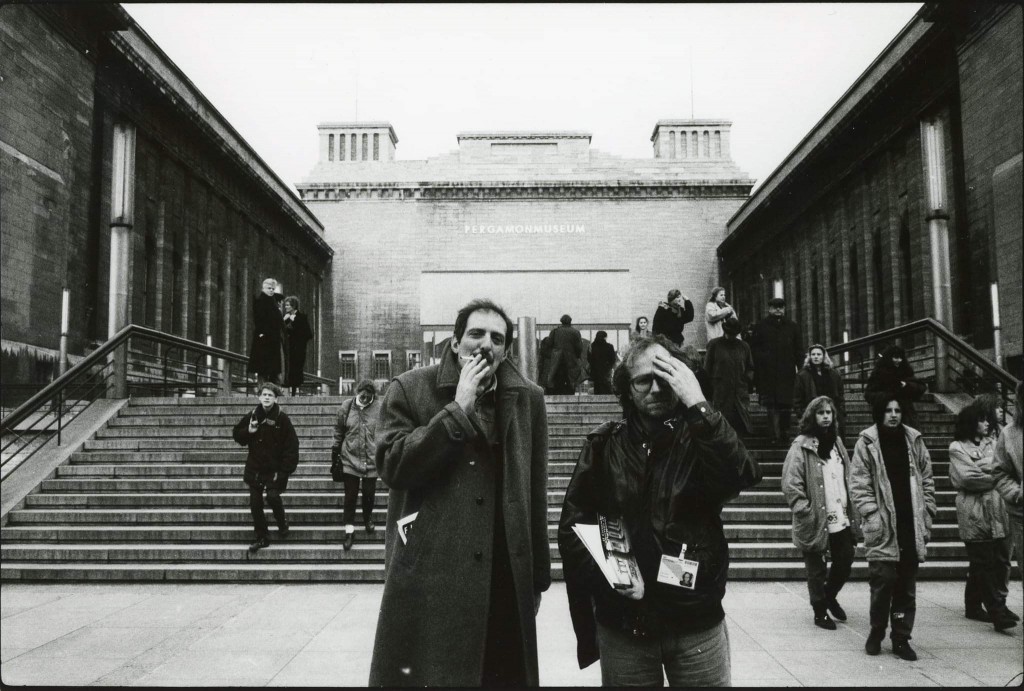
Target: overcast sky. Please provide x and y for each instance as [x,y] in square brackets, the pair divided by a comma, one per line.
[276,71]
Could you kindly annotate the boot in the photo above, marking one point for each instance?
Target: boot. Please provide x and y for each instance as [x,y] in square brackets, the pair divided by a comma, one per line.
[350,539]
[283,531]
[1002,621]
[977,614]
[370,525]
[261,542]
[822,620]
[873,645]
[837,612]
[902,650]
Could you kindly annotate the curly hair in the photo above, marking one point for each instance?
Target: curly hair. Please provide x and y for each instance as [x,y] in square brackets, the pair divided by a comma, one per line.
[967,420]
[623,372]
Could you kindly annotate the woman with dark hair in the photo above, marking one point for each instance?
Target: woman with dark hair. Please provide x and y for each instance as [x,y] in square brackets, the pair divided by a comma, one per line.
[992,405]
[982,518]
[716,312]
[601,358]
[297,334]
[265,360]
[731,367]
[893,378]
[640,329]
[1007,472]
[672,315]
[353,455]
[819,378]
[816,483]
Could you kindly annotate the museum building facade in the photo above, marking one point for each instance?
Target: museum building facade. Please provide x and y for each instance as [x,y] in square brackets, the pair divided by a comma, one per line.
[539,221]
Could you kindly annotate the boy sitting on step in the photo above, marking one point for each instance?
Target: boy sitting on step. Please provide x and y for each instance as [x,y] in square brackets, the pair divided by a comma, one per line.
[273,455]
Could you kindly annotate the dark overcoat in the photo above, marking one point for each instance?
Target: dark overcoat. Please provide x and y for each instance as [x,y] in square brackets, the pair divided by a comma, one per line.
[265,355]
[778,353]
[566,351]
[670,323]
[728,362]
[297,336]
[436,461]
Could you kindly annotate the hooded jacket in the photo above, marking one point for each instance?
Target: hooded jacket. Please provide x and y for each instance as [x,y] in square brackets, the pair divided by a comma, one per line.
[871,495]
[980,510]
[274,447]
[667,498]
[803,484]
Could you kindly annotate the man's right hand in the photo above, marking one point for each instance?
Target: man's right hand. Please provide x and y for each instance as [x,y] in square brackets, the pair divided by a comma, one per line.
[253,425]
[471,378]
[633,592]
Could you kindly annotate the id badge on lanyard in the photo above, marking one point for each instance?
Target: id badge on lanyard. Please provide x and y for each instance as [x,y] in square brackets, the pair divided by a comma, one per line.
[678,571]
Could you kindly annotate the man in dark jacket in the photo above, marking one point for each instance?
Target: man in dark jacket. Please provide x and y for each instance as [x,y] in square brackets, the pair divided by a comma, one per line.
[566,351]
[778,352]
[273,456]
[672,315]
[665,471]
[601,357]
[462,445]
[893,378]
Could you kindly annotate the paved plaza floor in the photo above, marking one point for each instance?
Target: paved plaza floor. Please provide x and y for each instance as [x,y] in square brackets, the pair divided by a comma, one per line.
[321,635]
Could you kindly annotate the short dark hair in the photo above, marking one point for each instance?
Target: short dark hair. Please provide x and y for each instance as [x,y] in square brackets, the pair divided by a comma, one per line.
[636,325]
[366,385]
[565,320]
[482,305]
[731,326]
[777,302]
[809,420]
[622,375]
[292,300]
[673,294]
[967,420]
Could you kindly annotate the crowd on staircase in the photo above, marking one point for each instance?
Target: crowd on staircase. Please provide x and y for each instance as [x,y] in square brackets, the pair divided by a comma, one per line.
[462,449]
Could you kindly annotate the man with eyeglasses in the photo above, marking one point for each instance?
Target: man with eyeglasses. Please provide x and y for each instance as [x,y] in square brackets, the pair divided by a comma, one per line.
[462,446]
[665,470]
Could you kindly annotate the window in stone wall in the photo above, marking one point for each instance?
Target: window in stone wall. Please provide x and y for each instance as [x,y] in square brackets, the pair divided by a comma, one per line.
[330,147]
[354,146]
[366,146]
[672,144]
[836,314]
[718,144]
[693,144]
[341,147]
[906,269]
[376,146]
[348,366]
[707,144]
[413,359]
[878,281]
[381,365]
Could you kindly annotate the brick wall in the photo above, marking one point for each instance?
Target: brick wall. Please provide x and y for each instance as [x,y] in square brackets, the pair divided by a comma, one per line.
[383,246]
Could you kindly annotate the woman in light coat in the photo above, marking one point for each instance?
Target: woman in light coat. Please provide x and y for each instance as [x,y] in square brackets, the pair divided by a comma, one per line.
[815,481]
[716,311]
[353,455]
[1009,475]
[982,519]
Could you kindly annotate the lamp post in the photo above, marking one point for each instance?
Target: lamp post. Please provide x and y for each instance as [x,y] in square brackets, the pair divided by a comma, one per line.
[934,162]
[122,219]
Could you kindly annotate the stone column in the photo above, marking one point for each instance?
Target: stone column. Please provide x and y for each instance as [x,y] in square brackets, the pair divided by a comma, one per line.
[122,221]
[933,152]
[528,348]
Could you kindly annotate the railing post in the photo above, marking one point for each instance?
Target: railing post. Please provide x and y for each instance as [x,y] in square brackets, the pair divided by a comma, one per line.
[119,361]
[60,415]
[225,373]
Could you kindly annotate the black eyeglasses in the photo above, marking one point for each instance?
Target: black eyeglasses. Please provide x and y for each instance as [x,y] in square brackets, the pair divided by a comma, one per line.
[643,383]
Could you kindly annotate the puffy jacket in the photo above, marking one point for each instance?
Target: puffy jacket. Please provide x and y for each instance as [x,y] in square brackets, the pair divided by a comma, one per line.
[355,437]
[274,447]
[669,497]
[803,484]
[871,495]
[980,511]
[1006,469]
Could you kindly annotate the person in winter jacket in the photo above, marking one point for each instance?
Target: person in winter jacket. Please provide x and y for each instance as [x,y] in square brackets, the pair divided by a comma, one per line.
[296,335]
[354,453]
[729,363]
[601,357]
[1007,473]
[819,377]
[265,354]
[665,470]
[566,352]
[893,377]
[815,482]
[982,518]
[778,351]
[463,448]
[892,489]
[273,456]
[672,315]
[716,312]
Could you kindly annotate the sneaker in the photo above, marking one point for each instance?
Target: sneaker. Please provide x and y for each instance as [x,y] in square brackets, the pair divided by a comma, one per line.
[873,645]
[824,622]
[902,650]
[350,539]
[978,614]
[260,543]
[837,612]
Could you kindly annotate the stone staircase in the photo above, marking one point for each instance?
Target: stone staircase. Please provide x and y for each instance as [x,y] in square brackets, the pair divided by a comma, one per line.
[157,496]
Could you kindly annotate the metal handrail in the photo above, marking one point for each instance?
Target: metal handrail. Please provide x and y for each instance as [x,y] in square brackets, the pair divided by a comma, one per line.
[940,331]
[98,356]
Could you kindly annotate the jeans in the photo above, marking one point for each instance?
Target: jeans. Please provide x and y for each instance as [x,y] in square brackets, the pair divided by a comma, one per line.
[823,584]
[273,484]
[1016,539]
[688,659]
[988,575]
[352,483]
[894,586]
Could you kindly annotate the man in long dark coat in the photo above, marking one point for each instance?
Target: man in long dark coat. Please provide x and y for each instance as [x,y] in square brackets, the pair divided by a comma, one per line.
[462,445]
[566,351]
[265,354]
[729,364]
[778,353]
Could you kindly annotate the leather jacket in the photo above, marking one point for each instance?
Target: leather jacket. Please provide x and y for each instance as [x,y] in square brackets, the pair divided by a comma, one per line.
[669,487]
